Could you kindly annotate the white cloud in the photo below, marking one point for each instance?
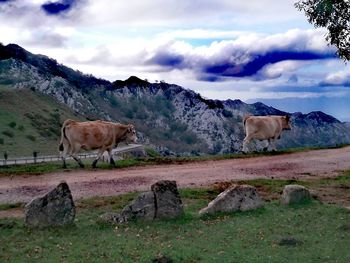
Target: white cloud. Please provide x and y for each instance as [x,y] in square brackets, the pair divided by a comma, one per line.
[284,67]
[198,39]
[338,78]
[196,12]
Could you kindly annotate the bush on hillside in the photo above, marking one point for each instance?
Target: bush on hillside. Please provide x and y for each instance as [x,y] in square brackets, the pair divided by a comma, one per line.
[12,124]
[46,126]
[31,137]
[8,133]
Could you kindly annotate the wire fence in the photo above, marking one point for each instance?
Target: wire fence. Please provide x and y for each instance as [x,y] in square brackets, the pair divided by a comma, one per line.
[53,158]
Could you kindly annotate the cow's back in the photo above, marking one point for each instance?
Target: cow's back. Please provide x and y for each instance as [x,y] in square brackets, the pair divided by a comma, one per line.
[91,134]
[262,127]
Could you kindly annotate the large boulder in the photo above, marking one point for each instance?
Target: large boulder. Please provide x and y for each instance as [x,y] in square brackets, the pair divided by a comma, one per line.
[236,198]
[167,199]
[162,202]
[56,208]
[294,194]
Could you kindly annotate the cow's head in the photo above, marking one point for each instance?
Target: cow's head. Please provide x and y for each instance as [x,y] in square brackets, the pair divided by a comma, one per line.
[286,125]
[131,134]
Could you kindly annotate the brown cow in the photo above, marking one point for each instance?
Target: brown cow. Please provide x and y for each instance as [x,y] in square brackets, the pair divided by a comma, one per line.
[265,128]
[93,135]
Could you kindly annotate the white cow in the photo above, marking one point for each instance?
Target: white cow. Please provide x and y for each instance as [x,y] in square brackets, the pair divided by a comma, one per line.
[265,128]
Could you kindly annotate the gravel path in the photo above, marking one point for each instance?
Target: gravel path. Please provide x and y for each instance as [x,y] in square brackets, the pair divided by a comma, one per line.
[317,163]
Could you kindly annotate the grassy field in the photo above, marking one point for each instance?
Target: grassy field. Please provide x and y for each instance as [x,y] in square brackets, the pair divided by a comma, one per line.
[25,128]
[311,232]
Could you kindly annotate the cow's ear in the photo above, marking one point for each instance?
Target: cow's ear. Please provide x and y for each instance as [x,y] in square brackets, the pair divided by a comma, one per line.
[287,117]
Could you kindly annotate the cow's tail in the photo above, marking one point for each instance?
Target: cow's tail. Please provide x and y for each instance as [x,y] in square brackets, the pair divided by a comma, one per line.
[245,118]
[63,134]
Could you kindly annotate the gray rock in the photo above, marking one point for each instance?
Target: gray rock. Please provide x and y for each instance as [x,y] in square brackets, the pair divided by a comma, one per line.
[162,259]
[294,194]
[289,241]
[162,202]
[236,198]
[167,199]
[111,217]
[142,207]
[56,208]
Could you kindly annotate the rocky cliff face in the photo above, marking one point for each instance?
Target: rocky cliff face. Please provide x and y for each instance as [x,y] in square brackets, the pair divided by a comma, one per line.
[173,119]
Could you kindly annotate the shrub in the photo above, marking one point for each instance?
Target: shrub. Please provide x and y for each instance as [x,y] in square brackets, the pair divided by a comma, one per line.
[178,127]
[227,113]
[2,141]
[12,124]
[189,138]
[217,147]
[8,133]
[21,128]
[113,101]
[151,152]
[31,137]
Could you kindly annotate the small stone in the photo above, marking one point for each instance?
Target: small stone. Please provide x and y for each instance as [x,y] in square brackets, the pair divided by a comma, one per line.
[110,217]
[345,228]
[162,259]
[289,241]
[295,194]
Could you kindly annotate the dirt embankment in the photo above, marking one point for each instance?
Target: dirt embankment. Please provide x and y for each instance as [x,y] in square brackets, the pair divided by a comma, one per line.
[311,164]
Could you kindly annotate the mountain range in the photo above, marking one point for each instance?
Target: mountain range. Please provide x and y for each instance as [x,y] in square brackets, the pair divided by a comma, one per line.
[168,117]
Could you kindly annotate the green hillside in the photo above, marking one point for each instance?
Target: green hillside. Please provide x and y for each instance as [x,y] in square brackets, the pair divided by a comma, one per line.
[30,121]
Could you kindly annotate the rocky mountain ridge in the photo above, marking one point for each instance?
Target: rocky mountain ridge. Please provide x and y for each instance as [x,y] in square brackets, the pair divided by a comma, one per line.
[169,117]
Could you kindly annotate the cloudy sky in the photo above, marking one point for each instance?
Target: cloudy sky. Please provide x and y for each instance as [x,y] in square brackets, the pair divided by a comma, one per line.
[257,50]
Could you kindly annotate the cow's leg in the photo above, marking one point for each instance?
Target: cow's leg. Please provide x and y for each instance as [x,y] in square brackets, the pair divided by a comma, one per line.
[64,154]
[77,159]
[273,145]
[245,142]
[111,161]
[73,151]
[266,148]
[63,157]
[268,145]
[99,154]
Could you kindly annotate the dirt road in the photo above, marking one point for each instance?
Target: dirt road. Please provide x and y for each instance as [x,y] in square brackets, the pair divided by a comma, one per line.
[319,163]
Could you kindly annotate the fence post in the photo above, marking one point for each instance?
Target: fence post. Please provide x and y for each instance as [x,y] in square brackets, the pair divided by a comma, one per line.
[5,157]
[35,155]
